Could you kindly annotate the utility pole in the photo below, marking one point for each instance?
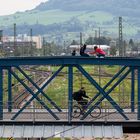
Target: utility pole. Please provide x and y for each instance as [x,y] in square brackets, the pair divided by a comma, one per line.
[120,37]
[95,33]
[15,34]
[1,39]
[64,47]
[1,35]
[1,42]
[22,51]
[99,72]
[81,79]
[31,40]
[99,65]
[44,47]
[120,45]
[81,39]
[99,36]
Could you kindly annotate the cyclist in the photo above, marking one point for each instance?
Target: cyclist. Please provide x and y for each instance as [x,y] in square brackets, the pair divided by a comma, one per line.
[79,97]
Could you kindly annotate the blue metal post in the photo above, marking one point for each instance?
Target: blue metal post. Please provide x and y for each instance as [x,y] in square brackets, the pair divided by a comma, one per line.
[9,91]
[1,93]
[70,90]
[133,90]
[138,93]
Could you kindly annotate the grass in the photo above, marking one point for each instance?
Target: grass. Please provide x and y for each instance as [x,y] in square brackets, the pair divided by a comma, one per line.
[33,17]
[97,16]
[58,89]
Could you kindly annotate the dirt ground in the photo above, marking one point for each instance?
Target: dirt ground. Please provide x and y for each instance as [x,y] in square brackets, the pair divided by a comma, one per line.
[131,137]
[125,137]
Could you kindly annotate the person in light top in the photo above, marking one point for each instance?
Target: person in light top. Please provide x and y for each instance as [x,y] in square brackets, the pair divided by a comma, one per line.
[98,51]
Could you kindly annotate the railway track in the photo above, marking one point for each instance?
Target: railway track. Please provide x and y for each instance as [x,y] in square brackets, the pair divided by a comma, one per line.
[24,94]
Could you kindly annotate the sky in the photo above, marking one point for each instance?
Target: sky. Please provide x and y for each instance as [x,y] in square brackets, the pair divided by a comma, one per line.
[11,6]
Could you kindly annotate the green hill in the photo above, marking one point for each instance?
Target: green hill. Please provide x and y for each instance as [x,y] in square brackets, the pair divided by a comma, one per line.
[115,7]
[59,16]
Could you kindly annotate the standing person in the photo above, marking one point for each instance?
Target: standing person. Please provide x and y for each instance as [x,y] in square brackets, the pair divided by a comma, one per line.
[98,51]
[73,53]
[79,97]
[82,50]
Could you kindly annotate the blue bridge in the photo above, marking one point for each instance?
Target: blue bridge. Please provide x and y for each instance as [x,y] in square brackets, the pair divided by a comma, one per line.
[112,111]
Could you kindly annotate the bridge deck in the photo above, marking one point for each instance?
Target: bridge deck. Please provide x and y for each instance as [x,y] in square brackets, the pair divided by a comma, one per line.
[60,60]
[41,115]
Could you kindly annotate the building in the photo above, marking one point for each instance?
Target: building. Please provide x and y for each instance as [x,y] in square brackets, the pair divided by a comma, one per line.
[24,48]
[23,38]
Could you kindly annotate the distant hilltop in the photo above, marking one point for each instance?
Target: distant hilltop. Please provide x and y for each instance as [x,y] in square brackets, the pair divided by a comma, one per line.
[58,17]
[117,7]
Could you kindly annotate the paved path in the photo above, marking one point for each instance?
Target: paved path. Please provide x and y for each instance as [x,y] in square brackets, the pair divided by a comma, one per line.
[43,115]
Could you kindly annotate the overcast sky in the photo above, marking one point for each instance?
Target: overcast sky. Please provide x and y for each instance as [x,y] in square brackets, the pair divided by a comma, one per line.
[11,6]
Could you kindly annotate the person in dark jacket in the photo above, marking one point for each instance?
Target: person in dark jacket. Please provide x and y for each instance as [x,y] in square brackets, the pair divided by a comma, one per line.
[79,97]
[82,50]
[73,53]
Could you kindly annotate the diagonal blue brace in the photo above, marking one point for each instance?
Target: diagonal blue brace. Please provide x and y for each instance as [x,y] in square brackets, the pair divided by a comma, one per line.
[108,84]
[32,93]
[37,93]
[117,83]
[1,93]
[105,95]
[51,102]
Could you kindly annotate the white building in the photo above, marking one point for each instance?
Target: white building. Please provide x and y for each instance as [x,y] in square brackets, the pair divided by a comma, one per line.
[25,38]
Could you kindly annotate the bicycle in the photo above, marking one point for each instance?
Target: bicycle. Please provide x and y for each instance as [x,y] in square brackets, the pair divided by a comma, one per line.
[78,110]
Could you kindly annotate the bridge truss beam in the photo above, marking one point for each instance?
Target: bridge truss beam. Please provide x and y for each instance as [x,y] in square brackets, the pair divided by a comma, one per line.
[130,64]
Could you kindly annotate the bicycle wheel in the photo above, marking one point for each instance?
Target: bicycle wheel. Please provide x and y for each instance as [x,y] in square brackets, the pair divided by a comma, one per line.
[76,111]
[96,112]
